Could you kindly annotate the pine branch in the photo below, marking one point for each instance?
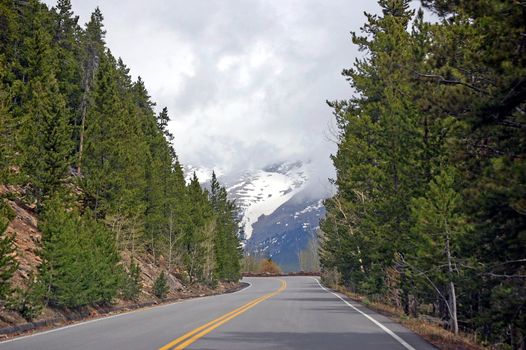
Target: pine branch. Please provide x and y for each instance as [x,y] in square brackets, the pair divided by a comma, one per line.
[442,80]
[491,274]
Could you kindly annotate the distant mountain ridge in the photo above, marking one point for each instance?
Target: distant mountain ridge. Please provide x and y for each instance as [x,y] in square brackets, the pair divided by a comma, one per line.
[277,214]
[283,234]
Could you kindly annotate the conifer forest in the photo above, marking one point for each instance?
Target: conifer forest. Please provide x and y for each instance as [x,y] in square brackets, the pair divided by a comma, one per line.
[80,143]
[430,210]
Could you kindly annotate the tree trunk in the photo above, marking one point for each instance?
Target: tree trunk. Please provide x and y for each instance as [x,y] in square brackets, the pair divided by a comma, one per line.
[452,294]
[405,292]
[81,139]
[170,248]
[89,74]
[153,247]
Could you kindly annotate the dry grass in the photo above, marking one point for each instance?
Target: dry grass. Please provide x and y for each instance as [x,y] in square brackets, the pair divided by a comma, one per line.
[433,333]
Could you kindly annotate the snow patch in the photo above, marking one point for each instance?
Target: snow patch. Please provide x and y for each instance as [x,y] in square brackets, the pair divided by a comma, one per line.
[262,192]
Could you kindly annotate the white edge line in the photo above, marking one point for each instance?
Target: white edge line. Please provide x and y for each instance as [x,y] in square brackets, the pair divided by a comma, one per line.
[384,328]
[118,315]
[238,291]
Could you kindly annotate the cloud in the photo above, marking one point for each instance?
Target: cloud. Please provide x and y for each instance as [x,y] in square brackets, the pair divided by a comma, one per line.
[245,81]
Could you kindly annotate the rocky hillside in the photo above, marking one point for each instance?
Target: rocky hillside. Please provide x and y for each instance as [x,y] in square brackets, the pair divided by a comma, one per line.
[24,228]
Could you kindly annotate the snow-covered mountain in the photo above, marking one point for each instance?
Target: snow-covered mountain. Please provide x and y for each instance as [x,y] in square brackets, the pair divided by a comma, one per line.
[263,191]
[278,216]
[287,231]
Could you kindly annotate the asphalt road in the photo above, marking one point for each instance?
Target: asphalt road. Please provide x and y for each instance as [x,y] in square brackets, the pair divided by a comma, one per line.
[273,313]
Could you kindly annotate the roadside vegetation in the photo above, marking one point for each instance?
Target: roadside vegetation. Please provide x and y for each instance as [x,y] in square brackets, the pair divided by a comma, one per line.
[259,265]
[429,215]
[309,257]
[85,158]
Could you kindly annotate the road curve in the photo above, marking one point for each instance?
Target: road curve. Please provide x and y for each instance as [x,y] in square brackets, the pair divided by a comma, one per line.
[273,313]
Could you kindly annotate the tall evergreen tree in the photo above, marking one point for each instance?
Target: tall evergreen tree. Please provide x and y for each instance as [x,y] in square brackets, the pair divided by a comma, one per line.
[381,135]
[92,43]
[177,211]
[46,134]
[66,36]
[113,174]
[8,156]
[195,239]
[226,242]
[439,225]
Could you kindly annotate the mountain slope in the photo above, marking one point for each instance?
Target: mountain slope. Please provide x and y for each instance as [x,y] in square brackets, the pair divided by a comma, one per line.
[278,215]
[283,234]
[262,192]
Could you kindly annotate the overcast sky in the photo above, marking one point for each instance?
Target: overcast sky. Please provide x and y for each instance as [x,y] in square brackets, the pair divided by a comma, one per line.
[245,81]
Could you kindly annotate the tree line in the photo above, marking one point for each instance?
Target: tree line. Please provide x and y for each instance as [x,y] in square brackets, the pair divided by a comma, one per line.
[81,143]
[430,211]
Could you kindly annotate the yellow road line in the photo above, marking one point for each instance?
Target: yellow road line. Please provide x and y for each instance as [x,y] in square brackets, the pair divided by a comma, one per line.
[187,335]
[210,326]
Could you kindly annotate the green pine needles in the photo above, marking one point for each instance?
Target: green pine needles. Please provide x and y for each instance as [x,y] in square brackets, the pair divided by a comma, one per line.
[160,286]
[80,261]
[132,285]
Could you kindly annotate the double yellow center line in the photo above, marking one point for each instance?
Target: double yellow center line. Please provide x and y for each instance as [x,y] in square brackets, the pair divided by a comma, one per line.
[190,337]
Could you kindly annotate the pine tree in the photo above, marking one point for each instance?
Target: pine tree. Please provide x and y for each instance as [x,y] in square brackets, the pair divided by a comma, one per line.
[226,242]
[439,225]
[158,169]
[379,131]
[46,134]
[92,43]
[18,26]
[160,286]
[132,282]
[217,201]
[476,62]
[27,301]
[66,38]
[62,92]
[162,123]
[8,156]
[79,259]
[178,212]
[10,33]
[408,121]
[194,239]
[113,175]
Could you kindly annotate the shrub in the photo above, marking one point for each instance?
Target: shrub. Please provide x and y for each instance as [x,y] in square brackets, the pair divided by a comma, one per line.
[331,277]
[132,282]
[28,302]
[160,286]
[270,267]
